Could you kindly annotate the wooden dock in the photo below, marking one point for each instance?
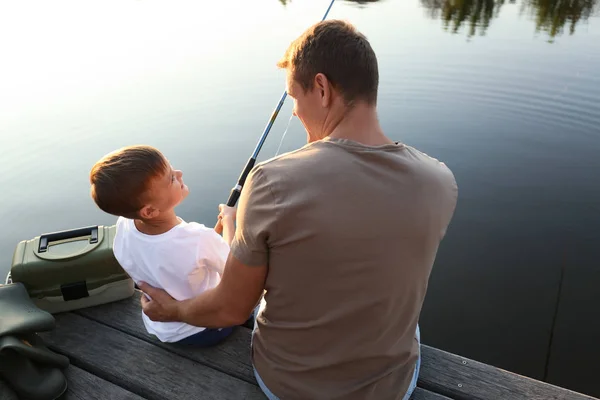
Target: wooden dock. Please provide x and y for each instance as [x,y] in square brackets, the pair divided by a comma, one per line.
[112,357]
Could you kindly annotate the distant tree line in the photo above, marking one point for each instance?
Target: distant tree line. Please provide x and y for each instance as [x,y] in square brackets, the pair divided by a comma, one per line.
[552,15]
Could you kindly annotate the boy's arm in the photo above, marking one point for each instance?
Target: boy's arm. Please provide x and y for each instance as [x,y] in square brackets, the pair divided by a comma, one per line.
[228,229]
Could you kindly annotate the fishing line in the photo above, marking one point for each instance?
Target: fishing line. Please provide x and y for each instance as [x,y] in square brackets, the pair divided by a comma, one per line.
[284,132]
[237,189]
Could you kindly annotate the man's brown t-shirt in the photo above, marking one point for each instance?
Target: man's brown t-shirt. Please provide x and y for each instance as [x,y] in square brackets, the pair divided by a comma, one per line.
[349,233]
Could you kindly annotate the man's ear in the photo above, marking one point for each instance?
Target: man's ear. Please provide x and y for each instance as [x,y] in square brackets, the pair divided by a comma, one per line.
[148,212]
[322,85]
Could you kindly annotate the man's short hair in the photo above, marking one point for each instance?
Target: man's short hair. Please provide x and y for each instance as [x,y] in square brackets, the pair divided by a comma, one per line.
[121,179]
[338,50]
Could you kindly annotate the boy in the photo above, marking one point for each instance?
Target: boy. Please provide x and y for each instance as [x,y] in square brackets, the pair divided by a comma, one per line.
[139,186]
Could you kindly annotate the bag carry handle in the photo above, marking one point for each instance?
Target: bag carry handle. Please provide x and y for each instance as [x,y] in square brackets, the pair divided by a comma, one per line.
[45,239]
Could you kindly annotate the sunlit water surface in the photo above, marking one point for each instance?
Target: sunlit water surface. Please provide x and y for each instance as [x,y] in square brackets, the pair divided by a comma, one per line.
[503,92]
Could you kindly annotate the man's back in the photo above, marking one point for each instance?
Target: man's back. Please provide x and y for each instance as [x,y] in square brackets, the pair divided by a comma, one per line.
[350,253]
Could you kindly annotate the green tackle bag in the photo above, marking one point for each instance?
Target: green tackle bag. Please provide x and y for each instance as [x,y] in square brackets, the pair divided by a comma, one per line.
[72,269]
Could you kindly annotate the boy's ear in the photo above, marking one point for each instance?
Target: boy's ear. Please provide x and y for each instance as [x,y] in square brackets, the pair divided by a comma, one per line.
[148,212]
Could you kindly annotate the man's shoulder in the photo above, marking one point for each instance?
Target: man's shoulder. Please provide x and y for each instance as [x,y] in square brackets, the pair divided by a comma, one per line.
[294,156]
[314,158]
[437,182]
[431,165]
[310,154]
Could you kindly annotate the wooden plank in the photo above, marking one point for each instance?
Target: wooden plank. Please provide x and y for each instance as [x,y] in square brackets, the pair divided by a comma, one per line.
[464,379]
[84,386]
[423,394]
[231,356]
[441,372]
[139,366]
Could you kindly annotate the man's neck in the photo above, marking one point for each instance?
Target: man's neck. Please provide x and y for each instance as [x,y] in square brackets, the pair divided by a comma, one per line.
[361,124]
[158,225]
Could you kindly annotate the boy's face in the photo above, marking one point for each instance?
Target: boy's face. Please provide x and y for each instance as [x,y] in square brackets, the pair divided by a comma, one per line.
[165,193]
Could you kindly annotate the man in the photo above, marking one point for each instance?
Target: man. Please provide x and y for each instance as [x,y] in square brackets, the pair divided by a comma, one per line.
[340,235]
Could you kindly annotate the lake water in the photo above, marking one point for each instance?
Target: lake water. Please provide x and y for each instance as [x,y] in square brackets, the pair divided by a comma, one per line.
[504,92]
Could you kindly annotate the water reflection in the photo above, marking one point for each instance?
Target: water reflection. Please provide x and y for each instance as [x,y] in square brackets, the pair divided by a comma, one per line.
[551,16]
[478,13]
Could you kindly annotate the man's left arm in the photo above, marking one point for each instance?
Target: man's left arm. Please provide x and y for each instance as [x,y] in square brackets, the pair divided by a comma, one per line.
[230,303]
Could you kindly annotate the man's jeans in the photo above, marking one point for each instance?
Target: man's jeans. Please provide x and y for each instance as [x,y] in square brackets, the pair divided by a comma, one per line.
[411,388]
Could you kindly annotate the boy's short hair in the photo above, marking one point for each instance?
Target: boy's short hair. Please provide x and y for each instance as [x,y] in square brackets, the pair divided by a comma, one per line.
[121,179]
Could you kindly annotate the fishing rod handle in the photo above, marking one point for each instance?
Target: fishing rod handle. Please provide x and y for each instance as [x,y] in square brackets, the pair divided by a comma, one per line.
[244,175]
[235,193]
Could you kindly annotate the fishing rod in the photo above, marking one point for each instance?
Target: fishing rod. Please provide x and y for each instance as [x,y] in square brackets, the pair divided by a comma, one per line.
[234,195]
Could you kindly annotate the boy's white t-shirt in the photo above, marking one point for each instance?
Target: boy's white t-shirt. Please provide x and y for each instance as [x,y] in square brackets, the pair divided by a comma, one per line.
[185,261]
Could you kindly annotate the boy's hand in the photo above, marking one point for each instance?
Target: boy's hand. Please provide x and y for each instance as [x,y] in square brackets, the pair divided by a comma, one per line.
[226,212]
[161,306]
[219,226]
[226,222]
